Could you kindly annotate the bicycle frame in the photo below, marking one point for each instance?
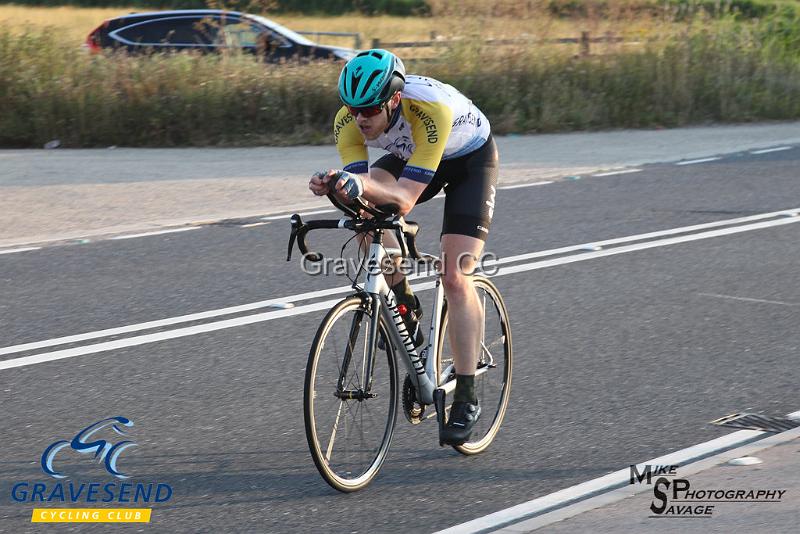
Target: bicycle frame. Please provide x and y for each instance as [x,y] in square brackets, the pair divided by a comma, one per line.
[384,303]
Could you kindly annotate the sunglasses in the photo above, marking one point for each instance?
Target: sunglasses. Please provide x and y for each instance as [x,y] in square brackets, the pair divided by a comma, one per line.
[367,112]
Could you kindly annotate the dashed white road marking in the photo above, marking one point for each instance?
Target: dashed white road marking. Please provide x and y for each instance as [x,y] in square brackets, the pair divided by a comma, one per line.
[519,186]
[613,173]
[693,161]
[13,250]
[747,299]
[768,150]
[159,232]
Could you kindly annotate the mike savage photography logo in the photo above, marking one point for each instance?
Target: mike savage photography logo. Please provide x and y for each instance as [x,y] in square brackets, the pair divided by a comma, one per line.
[676,497]
[96,442]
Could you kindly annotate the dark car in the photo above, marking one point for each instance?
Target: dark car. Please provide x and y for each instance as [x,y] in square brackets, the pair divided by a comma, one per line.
[208,30]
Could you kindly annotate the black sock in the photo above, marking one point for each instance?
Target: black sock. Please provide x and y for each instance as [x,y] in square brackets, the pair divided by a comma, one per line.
[465,389]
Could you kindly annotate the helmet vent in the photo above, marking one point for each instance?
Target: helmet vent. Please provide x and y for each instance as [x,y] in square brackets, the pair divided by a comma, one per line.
[371,78]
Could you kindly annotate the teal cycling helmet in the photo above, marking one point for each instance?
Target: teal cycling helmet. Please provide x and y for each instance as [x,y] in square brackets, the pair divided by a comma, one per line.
[371,78]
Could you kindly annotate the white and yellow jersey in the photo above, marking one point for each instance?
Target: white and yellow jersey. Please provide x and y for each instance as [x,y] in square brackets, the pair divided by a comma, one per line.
[433,123]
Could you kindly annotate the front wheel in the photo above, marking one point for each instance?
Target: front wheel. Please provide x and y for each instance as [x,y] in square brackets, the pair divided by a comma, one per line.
[349,411]
[493,375]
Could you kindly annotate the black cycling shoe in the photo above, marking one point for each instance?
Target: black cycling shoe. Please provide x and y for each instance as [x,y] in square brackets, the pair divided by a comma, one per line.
[463,416]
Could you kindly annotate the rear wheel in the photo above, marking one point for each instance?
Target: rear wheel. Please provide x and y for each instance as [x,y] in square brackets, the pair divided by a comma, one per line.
[493,375]
[349,416]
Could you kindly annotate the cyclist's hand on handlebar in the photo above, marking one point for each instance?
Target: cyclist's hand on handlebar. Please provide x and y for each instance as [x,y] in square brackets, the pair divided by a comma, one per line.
[320,183]
[349,185]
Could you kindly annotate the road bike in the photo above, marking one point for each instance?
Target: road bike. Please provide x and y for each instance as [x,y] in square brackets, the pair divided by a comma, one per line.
[351,390]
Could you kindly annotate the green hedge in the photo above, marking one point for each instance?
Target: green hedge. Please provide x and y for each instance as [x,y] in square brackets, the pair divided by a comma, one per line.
[730,72]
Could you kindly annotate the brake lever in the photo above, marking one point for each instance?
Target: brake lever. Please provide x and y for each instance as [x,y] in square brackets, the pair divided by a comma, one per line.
[296,222]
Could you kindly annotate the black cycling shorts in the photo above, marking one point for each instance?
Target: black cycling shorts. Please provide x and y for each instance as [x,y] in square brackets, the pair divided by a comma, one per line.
[470,184]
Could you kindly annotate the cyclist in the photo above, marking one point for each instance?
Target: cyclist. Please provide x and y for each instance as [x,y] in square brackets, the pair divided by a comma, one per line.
[437,139]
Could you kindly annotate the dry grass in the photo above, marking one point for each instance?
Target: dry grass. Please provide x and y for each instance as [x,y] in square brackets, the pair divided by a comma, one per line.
[74,24]
[706,71]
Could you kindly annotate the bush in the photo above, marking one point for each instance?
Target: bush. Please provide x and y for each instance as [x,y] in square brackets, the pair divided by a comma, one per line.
[726,72]
[160,100]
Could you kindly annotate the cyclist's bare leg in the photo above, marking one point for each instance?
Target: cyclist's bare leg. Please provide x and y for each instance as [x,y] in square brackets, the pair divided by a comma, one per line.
[463,306]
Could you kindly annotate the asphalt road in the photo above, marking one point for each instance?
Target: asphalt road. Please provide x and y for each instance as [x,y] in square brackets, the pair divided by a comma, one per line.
[618,359]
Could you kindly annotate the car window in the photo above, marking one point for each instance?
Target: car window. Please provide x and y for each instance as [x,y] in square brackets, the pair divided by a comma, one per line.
[239,34]
[282,30]
[178,31]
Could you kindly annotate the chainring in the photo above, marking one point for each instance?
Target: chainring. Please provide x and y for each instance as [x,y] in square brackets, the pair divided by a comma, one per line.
[412,408]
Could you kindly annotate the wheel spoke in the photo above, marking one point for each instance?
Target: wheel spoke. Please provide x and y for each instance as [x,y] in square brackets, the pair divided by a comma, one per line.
[333,432]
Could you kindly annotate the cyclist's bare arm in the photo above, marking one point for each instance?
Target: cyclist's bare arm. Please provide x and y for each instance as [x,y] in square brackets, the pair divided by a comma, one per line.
[380,187]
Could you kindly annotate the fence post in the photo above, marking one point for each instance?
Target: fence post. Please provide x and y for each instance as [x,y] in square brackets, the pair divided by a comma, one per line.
[376,43]
[358,41]
[584,44]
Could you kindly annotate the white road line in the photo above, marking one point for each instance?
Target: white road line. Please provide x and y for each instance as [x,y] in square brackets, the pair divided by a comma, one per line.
[693,161]
[13,250]
[613,173]
[229,323]
[642,237]
[344,289]
[519,186]
[597,486]
[571,506]
[768,150]
[177,333]
[642,246]
[159,232]
[172,320]
[287,215]
[747,299]
[253,225]
[160,336]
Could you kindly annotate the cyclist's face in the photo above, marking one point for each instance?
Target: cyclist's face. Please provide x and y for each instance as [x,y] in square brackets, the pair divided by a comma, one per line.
[372,127]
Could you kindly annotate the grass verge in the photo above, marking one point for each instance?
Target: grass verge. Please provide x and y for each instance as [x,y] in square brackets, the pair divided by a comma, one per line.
[728,71]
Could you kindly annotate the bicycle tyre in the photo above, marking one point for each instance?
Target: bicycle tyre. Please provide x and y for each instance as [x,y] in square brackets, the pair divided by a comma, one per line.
[495,382]
[349,469]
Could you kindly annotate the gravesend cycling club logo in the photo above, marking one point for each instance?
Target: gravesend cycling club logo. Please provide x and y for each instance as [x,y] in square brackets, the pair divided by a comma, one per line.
[675,497]
[103,442]
[107,452]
